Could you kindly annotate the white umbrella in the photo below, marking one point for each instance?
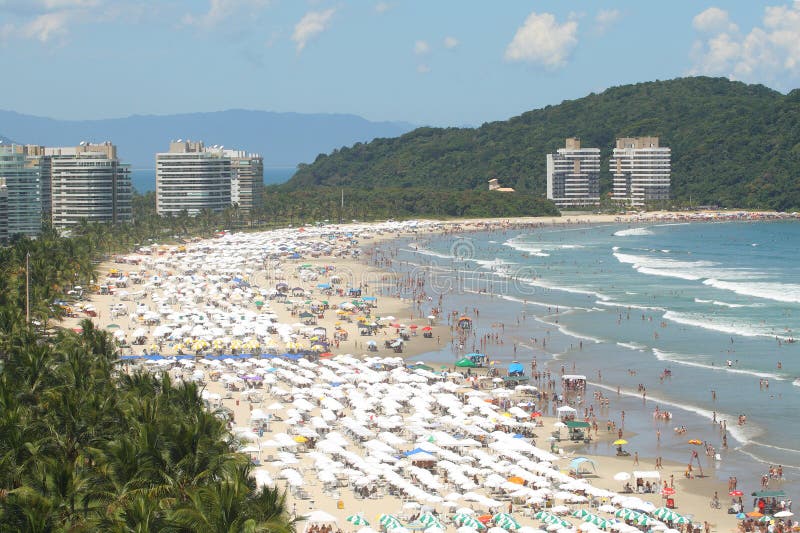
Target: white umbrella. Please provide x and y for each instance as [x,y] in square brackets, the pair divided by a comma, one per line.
[622,476]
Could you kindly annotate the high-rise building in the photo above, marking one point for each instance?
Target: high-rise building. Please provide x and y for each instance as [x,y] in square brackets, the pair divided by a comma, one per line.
[641,170]
[573,175]
[247,179]
[192,177]
[24,190]
[88,182]
[3,211]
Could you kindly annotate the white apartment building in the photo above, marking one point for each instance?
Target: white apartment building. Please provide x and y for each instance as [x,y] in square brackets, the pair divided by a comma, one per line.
[573,175]
[3,211]
[24,191]
[88,182]
[247,179]
[192,177]
[641,170]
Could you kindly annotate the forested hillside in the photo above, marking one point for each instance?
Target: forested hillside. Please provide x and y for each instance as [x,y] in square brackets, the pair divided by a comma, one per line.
[733,144]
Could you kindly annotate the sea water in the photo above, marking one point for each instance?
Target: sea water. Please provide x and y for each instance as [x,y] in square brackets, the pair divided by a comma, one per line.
[717,304]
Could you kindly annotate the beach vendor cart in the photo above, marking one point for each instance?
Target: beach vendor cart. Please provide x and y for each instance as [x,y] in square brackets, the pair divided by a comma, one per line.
[579,431]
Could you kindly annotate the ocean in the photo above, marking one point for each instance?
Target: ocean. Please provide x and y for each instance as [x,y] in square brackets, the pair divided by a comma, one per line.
[144,179]
[716,304]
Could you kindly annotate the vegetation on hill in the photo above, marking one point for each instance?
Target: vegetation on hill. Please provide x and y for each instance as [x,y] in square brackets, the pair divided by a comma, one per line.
[732,144]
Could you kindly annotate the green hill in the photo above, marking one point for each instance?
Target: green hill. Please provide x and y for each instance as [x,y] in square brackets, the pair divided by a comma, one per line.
[732,144]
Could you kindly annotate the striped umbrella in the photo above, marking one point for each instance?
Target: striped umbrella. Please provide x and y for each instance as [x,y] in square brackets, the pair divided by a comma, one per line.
[357,520]
[389,521]
[505,521]
[580,513]
[628,514]
[681,519]
[665,513]
[765,518]
[541,515]
[644,520]
[598,521]
[428,520]
[465,520]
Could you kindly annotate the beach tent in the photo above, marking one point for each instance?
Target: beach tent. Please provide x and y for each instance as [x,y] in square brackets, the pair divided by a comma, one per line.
[516,368]
[318,517]
[576,464]
[466,363]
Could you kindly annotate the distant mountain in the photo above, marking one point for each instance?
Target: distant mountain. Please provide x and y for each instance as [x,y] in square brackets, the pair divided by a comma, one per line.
[732,144]
[284,139]
[5,140]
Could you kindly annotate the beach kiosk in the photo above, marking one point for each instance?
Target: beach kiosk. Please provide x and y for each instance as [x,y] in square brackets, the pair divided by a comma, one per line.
[573,383]
[566,413]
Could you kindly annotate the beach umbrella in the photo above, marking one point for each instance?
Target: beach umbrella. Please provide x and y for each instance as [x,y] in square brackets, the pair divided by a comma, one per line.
[783,514]
[620,442]
[766,519]
[627,514]
[664,513]
[667,491]
[429,520]
[505,521]
[736,493]
[463,519]
[622,476]
[389,521]
[357,520]
[755,514]
[681,519]
[696,442]
[741,516]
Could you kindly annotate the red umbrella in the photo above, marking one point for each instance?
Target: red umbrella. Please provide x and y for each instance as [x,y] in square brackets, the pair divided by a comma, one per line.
[736,493]
[413,326]
[536,414]
[667,491]
[326,354]
[427,328]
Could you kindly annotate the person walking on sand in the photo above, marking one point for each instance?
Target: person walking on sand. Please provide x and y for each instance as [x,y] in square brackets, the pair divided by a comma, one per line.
[635,458]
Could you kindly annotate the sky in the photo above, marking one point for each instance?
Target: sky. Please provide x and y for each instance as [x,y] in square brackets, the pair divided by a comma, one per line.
[428,62]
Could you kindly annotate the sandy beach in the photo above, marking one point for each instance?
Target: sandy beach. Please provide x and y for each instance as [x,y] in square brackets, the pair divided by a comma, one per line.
[334,426]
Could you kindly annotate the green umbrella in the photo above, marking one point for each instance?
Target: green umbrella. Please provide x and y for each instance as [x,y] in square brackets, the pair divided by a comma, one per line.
[627,514]
[112,326]
[665,513]
[259,302]
[357,520]
[389,521]
[466,363]
[580,513]
[682,520]
[505,521]
[465,520]
[765,518]
[428,520]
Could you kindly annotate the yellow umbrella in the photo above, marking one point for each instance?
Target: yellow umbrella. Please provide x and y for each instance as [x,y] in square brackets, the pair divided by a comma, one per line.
[301,439]
[620,442]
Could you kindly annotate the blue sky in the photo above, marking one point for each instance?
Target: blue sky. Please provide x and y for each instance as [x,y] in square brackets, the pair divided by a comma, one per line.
[437,62]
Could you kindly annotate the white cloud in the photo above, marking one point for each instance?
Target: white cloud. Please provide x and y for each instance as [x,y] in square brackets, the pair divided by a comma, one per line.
[47,27]
[423,69]
[769,53]
[606,18]
[222,10]
[383,7]
[542,40]
[312,24]
[450,42]
[421,47]
[713,20]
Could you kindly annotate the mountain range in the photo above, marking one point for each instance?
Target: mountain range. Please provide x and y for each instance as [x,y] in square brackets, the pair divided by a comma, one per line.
[283,139]
[732,144]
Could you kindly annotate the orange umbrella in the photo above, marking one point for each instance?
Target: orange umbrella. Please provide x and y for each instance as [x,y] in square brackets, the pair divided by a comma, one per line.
[695,441]
[516,479]
[755,514]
